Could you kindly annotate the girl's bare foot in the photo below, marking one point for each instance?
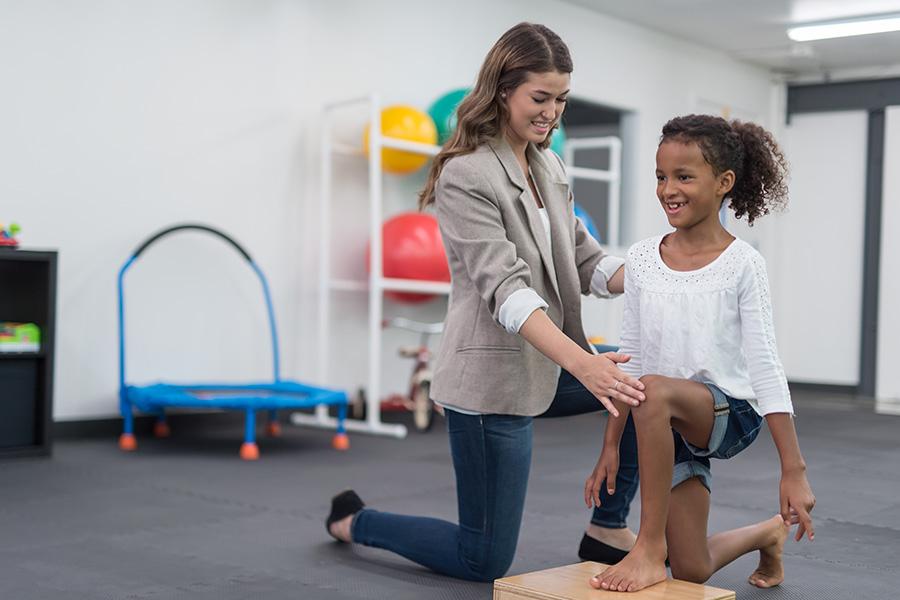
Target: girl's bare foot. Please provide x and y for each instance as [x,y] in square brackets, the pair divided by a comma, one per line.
[641,568]
[770,571]
[340,530]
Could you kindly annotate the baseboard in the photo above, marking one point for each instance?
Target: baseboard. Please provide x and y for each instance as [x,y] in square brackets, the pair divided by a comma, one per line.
[824,388]
[887,406]
[143,424]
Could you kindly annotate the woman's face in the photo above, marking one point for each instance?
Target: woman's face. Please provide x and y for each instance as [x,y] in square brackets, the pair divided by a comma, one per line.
[536,106]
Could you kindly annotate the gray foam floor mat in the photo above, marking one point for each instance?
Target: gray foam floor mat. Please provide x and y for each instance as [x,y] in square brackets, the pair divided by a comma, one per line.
[185,518]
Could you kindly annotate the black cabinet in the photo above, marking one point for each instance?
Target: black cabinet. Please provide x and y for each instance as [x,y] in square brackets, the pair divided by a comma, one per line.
[27,295]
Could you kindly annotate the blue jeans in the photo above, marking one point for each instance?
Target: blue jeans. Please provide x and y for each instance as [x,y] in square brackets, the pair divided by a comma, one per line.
[492,456]
[735,426]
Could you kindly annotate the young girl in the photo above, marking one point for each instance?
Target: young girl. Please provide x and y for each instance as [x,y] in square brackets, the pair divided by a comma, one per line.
[698,327]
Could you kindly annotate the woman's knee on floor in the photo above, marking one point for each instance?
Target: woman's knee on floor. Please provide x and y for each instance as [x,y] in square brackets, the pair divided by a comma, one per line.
[493,565]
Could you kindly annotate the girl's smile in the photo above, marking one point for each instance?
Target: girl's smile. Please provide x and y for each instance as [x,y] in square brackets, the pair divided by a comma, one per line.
[673,208]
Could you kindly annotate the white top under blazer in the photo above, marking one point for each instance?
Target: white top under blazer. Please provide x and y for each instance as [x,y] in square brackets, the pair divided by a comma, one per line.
[711,325]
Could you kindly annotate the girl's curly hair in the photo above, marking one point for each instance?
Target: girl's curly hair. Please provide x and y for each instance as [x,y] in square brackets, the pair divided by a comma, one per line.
[759,166]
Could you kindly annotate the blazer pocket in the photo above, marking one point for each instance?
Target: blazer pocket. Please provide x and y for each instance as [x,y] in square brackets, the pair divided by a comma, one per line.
[488,350]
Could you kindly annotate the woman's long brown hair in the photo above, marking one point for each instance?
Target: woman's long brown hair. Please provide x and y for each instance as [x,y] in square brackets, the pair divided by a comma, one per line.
[526,48]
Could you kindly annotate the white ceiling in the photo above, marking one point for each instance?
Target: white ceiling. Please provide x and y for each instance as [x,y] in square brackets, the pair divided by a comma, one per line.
[756,30]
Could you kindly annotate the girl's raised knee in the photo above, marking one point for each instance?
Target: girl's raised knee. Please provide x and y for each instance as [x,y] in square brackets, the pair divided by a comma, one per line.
[658,393]
[655,385]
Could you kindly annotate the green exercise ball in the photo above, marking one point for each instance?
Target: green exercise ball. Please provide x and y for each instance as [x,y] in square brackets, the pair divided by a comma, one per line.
[558,143]
[443,111]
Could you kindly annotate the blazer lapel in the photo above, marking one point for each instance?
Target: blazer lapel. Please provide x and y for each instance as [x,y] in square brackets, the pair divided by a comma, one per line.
[555,194]
[508,159]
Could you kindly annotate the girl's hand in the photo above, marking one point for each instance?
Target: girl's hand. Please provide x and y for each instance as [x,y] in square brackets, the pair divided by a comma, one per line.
[602,377]
[606,470]
[797,501]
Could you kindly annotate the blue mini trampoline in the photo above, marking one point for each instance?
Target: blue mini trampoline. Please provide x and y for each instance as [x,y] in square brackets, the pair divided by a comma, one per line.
[270,396]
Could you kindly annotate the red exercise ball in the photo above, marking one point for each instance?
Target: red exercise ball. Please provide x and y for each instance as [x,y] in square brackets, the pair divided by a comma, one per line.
[412,249]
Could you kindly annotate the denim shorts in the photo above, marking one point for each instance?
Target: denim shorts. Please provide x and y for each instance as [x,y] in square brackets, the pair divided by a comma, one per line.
[736,425]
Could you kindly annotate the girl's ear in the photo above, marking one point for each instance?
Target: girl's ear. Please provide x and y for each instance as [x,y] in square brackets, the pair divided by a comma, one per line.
[725,183]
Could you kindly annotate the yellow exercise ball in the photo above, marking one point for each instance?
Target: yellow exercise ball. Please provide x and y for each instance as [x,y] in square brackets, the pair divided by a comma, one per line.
[405,123]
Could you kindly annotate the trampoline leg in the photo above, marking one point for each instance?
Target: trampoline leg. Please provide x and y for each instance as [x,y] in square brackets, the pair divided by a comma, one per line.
[340,441]
[161,427]
[249,449]
[273,427]
[127,441]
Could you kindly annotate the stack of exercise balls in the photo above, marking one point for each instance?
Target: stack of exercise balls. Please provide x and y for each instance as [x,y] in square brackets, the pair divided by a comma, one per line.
[412,246]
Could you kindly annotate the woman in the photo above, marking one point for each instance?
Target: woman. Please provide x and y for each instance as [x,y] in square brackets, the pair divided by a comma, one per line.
[519,261]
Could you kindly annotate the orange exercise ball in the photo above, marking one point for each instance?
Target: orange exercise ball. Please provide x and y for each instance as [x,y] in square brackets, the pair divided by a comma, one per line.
[412,249]
[405,123]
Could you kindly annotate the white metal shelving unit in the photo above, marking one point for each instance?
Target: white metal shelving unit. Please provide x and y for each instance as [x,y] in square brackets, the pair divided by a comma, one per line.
[377,284]
[613,175]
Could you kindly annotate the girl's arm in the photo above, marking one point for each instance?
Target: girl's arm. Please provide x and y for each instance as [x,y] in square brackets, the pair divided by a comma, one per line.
[795,494]
[770,387]
[616,283]
[608,464]
[607,467]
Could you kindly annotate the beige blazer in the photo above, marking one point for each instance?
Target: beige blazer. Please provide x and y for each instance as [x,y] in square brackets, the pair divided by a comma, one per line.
[496,244]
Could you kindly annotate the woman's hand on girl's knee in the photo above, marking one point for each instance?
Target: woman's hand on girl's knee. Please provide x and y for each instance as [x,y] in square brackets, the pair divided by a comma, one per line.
[601,375]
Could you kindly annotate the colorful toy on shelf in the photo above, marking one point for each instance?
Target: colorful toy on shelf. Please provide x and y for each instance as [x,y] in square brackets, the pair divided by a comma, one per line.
[443,111]
[412,248]
[8,236]
[405,123]
[19,337]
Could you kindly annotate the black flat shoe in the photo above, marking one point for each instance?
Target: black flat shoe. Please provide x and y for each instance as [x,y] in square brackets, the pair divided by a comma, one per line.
[597,551]
[343,505]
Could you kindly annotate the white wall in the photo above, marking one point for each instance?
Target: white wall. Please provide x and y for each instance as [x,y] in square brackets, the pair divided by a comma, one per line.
[817,264]
[118,118]
[887,388]
[122,117]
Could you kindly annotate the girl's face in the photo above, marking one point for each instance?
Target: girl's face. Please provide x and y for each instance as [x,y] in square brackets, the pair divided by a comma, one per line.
[536,106]
[687,188]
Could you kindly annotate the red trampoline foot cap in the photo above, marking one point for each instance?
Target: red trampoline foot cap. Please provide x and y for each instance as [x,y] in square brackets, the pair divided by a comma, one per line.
[161,429]
[249,451]
[127,442]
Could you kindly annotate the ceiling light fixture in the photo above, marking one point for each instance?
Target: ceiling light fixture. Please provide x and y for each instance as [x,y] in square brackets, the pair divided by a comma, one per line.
[847,28]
